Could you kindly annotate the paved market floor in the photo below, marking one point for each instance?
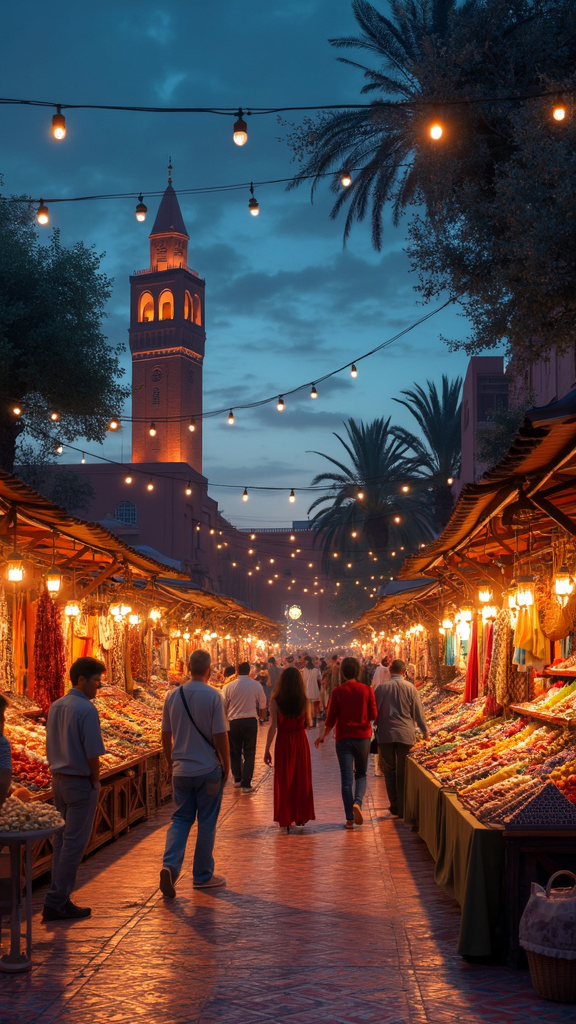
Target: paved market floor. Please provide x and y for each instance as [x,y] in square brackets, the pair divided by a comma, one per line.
[326,925]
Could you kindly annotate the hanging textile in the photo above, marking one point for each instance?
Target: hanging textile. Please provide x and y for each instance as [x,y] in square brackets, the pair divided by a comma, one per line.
[488,641]
[449,657]
[471,687]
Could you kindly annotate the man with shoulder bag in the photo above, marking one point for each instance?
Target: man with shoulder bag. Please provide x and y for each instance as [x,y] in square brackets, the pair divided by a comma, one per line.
[195,744]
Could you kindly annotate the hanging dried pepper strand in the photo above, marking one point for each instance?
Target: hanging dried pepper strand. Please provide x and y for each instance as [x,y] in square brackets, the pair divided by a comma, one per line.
[49,657]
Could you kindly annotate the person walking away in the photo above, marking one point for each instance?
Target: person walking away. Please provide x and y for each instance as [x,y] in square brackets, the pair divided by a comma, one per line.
[273,673]
[195,744]
[244,704]
[264,680]
[351,711]
[73,748]
[335,672]
[399,712]
[312,679]
[381,673]
[289,719]
[5,755]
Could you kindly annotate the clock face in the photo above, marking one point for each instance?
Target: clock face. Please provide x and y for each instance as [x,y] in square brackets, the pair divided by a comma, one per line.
[295,612]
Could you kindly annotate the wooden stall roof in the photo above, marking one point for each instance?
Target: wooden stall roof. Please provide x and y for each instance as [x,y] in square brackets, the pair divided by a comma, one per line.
[396,596]
[181,593]
[517,506]
[39,523]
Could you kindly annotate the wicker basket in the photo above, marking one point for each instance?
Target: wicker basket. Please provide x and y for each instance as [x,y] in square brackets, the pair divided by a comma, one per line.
[553,978]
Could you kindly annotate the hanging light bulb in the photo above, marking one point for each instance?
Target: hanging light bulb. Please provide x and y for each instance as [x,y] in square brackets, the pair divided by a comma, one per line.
[59,449]
[58,124]
[436,131]
[563,585]
[346,179]
[54,416]
[360,495]
[42,215]
[53,581]
[353,371]
[313,392]
[240,135]
[280,403]
[150,485]
[114,423]
[152,430]
[245,494]
[192,426]
[83,459]
[188,490]
[128,479]
[292,497]
[231,420]
[141,209]
[559,111]
[17,410]
[253,204]
[397,519]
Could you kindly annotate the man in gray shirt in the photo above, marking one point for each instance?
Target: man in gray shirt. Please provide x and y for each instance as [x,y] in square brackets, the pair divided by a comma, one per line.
[195,744]
[399,712]
[73,748]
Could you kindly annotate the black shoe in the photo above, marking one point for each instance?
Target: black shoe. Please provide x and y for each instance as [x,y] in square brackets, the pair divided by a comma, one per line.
[167,884]
[69,912]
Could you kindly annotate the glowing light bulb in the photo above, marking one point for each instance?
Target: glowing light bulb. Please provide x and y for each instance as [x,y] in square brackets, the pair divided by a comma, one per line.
[42,215]
[231,420]
[152,430]
[280,403]
[191,426]
[150,485]
[128,479]
[54,416]
[346,179]
[245,494]
[141,209]
[436,131]
[114,424]
[559,112]
[353,370]
[240,135]
[313,392]
[58,124]
[253,204]
[188,490]
[292,497]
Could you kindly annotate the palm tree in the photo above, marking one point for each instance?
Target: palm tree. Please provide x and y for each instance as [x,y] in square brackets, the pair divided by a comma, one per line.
[369,498]
[435,456]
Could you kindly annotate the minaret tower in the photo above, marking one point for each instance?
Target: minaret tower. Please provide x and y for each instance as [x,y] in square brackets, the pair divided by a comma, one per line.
[167,341]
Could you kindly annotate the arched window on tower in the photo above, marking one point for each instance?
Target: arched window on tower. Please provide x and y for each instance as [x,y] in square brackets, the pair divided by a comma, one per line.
[197,310]
[188,307]
[145,308]
[166,306]
[126,513]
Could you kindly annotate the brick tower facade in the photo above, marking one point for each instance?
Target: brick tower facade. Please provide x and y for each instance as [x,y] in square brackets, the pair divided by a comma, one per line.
[167,340]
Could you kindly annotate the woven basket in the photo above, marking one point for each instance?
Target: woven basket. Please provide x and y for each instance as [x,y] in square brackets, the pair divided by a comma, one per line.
[552,977]
[557,622]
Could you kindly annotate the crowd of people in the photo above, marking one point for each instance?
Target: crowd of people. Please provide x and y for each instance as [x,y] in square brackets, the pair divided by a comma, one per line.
[209,731]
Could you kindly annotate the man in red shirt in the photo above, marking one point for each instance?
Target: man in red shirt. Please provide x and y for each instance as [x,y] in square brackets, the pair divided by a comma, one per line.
[351,710]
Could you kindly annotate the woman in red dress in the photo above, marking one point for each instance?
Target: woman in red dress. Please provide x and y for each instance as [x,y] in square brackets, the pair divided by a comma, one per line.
[289,719]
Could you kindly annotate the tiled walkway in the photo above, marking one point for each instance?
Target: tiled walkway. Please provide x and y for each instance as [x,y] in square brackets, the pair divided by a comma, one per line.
[324,926]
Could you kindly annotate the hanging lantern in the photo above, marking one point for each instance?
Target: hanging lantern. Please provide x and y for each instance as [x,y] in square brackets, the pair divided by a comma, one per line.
[15,568]
[134,619]
[463,630]
[447,623]
[485,595]
[466,613]
[72,609]
[563,585]
[53,582]
[525,591]
[125,609]
[155,614]
[489,613]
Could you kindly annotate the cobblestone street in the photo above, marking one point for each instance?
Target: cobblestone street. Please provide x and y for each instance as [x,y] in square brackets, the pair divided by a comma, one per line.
[319,925]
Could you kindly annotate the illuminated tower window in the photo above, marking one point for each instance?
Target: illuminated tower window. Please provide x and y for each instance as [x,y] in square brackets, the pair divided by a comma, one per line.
[145,308]
[166,306]
[197,310]
[188,306]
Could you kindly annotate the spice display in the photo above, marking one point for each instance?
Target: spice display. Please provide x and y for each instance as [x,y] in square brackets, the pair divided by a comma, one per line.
[28,816]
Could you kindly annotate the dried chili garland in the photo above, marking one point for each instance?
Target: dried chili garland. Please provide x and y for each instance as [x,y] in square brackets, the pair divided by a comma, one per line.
[49,656]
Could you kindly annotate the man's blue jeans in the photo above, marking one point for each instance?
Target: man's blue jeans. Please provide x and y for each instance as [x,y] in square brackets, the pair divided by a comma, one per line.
[194,801]
[353,758]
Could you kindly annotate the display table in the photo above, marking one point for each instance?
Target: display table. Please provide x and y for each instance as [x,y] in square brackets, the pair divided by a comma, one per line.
[17,842]
[470,867]
[422,804]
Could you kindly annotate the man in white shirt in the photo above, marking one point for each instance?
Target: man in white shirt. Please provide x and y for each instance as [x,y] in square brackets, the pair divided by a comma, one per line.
[195,744]
[381,673]
[244,703]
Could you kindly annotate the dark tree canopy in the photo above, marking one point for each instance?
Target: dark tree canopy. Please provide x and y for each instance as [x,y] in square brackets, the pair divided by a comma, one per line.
[53,353]
[495,224]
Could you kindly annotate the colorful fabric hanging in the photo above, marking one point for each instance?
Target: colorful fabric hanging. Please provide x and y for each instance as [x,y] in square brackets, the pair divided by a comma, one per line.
[471,687]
